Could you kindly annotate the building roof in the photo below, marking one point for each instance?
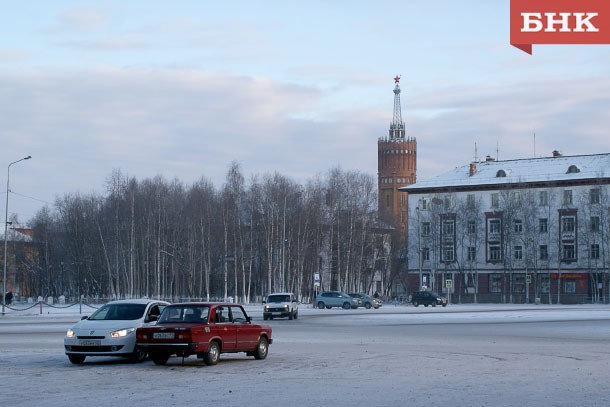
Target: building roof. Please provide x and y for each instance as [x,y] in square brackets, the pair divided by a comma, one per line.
[491,173]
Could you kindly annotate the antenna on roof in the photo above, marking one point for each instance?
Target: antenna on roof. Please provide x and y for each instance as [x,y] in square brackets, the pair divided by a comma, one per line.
[534,144]
[497,150]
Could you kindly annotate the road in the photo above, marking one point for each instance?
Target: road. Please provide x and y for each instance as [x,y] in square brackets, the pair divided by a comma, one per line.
[394,356]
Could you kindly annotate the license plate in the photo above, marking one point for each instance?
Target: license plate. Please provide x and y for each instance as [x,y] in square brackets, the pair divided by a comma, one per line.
[89,342]
[163,335]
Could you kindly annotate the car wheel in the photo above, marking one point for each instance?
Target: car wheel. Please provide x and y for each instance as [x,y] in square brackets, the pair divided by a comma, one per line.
[265,317]
[328,307]
[347,305]
[415,304]
[367,305]
[320,305]
[444,305]
[426,304]
[296,314]
[138,355]
[159,358]
[262,349]
[211,357]
[77,359]
[290,315]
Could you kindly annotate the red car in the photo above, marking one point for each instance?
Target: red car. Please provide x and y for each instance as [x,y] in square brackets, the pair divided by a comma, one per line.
[205,330]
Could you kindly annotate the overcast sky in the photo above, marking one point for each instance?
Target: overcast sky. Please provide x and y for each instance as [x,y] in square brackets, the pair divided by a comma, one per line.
[183,88]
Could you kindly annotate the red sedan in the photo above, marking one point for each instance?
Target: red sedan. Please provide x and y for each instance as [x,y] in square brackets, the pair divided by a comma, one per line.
[205,330]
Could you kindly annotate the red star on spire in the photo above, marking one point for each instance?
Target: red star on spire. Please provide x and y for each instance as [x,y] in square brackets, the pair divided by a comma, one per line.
[396,79]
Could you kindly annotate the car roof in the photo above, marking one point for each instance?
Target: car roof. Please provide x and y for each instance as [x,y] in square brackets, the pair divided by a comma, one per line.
[137,301]
[281,294]
[183,304]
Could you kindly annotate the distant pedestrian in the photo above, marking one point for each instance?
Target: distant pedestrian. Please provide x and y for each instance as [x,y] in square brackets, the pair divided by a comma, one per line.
[8,298]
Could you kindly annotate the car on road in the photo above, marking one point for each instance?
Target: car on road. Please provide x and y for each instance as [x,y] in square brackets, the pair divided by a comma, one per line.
[367,301]
[206,330]
[329,299]
[428,298]
[281,305]
[111,330]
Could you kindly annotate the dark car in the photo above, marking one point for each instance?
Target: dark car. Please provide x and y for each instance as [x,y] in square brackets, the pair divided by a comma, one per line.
[367,301]
[428,298]
[205,330]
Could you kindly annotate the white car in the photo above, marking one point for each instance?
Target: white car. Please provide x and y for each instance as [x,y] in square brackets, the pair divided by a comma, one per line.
[111,330]
[280,305]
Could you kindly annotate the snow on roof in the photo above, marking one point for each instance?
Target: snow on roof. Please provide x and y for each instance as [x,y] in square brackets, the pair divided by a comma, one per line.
[530,170]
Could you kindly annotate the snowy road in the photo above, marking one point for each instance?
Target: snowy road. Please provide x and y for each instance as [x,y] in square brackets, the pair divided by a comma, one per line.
[463,355]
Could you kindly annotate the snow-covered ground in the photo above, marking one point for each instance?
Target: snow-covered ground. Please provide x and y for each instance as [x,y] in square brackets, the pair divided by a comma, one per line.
[462,355]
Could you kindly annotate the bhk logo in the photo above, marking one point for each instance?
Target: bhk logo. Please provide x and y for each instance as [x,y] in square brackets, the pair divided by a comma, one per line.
[559,22]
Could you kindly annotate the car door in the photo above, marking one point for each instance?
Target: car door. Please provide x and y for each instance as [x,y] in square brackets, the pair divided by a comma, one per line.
[225,328]
[246,334]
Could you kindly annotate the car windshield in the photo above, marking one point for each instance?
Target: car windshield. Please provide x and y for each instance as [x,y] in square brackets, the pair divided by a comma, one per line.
[119,312]
[278,298]
[185,313]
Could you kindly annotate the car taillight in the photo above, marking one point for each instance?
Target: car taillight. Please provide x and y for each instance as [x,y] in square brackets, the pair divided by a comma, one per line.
[184,335]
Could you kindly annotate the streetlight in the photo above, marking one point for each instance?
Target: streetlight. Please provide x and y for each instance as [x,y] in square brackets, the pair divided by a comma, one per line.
[284,238]
[8,177]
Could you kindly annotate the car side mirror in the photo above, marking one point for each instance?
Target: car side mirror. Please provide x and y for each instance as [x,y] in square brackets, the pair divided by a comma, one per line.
[84,317]
[153,318]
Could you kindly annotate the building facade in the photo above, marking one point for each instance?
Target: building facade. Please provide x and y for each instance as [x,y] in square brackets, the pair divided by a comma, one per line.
[397,167]
[529,230]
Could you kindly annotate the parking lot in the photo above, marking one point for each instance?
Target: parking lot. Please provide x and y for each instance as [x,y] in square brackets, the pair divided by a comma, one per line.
[460,356]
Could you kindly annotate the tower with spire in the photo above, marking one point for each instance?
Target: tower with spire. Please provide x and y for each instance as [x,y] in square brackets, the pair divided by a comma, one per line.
[396,167]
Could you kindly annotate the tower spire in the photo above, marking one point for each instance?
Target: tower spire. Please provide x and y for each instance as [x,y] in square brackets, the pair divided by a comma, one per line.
[397,128]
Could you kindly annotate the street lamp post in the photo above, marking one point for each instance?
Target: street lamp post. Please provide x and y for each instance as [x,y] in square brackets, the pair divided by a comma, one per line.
[283,276]
[8,177]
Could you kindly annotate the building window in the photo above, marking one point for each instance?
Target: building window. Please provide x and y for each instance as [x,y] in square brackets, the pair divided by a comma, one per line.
[518,283]
[544,282]
[567,197]
[448,228]
[425,254]
[567,224]
[494,226]
[501,174]
[495,254]
[447,201]
[569,287]
[572,169]
[594,252]
[594,196]
[543,252]
[518,226]
[495,283]
[470,201]
[568,252]
[424,203]
[495,200]
[425,229]
[518,252]
[594,224]
[543,198]
[517,197]
[472,254]
[543,225]
[448,253]
[472,227]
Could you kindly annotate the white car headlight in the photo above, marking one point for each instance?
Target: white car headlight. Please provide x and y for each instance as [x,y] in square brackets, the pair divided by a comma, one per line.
[121,332]
[286,306]
[70,334]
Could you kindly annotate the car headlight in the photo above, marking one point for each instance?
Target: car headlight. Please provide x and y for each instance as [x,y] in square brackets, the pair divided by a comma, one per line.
[121,332]
[286,306]
[266,308]
[70,334]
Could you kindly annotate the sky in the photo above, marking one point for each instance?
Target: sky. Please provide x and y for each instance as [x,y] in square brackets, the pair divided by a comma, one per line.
[183,89]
